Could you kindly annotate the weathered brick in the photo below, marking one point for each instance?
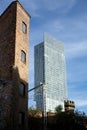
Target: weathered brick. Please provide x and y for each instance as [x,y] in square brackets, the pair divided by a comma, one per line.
[12,70]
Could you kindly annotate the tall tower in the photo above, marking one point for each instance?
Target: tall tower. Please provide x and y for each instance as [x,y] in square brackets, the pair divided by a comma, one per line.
[50,69]
[14,47]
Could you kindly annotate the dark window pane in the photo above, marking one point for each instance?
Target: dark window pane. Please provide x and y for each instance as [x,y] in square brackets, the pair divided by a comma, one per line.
[22,89]
[21,118]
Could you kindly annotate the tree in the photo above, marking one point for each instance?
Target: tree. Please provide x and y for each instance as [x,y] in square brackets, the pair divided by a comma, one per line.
[35,121]
[71,121]
[34,112]
[58,109]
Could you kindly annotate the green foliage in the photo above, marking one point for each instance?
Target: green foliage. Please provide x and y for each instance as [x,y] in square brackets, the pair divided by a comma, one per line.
[33,112]
[71,121]
[58,109]
[61,121]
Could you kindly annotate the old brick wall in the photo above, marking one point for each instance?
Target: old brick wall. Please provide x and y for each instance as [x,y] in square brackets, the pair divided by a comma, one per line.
[8,105]
[12,69]
[7,41]
[22,44]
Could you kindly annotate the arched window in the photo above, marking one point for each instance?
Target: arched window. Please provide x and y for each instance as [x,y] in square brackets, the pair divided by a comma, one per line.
[23,56]
[24,27]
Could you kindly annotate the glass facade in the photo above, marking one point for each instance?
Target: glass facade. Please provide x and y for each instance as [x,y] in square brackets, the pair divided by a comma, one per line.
[50,69]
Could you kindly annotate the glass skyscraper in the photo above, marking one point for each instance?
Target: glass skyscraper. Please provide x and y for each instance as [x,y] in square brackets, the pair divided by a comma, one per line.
[49,67]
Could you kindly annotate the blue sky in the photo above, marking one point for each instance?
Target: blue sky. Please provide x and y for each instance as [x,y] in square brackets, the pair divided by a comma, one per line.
[65,20]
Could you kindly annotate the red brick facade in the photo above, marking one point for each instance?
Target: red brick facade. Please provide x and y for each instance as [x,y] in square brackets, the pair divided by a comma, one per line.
[14,47]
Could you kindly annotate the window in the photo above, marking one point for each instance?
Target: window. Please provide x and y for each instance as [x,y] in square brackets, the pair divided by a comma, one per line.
[23,56]
[22,89]
[21,118]
[24,27]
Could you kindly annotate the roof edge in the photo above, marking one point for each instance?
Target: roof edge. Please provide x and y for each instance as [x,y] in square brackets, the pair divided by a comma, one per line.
[15,1]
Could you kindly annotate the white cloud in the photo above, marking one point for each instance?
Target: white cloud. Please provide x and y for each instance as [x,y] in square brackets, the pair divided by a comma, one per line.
[59,5]
[77,96]
[53,26]
[80,103]
[75,50]
[31,6]
[76,71]
[56,5]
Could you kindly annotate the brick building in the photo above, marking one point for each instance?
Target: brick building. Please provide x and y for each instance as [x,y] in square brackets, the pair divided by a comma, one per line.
[69,105]
[14,47]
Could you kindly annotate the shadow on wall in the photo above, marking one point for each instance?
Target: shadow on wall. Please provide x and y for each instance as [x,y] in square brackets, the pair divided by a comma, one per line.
[11,103]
